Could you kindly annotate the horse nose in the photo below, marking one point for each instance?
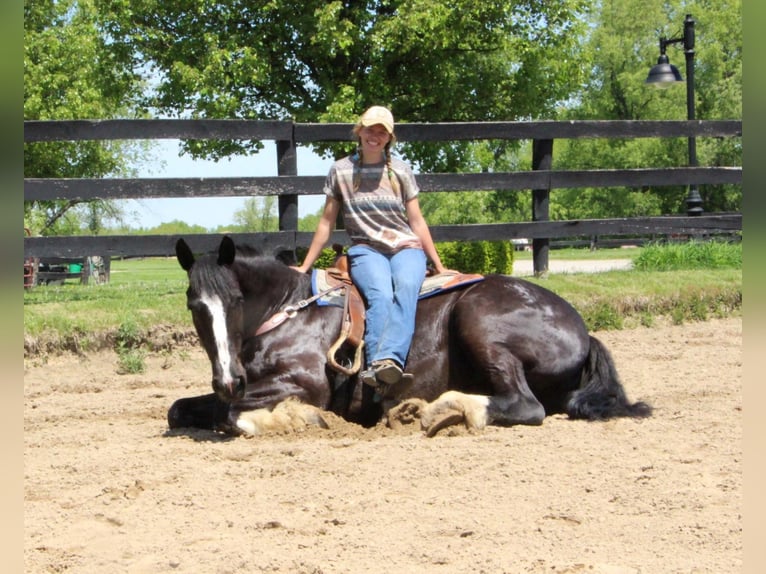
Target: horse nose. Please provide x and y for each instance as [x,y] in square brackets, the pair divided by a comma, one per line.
[238,387]
[231,389]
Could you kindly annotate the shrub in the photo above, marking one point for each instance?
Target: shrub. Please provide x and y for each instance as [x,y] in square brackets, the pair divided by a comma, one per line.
[130,361]
[128,334]
[477,256]
[467,256]
[602,316]
[326,257]
[130,356]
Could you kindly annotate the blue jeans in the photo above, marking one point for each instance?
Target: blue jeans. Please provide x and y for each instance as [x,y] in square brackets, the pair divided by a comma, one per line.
[390,285]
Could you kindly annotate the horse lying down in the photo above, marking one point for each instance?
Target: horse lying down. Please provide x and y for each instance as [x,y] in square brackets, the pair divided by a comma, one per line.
[499,351]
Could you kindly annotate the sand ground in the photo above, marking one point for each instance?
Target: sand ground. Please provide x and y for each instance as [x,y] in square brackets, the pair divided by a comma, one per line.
[108,488]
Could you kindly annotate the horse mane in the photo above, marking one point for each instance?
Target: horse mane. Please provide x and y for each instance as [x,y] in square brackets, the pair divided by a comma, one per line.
[249,251]
[272,266]
[254,257]
[253,268]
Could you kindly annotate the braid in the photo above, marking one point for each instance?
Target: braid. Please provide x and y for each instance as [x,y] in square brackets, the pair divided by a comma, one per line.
[357,168]
[391,175]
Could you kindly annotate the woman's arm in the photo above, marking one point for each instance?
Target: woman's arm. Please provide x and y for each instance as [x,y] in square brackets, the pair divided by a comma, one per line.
[322,234]
[420,228]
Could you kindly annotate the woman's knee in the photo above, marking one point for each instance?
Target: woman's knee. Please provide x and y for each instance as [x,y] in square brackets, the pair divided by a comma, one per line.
[408,284]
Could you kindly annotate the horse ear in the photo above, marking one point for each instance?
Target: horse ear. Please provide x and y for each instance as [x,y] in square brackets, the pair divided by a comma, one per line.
[226,251]
[184,254]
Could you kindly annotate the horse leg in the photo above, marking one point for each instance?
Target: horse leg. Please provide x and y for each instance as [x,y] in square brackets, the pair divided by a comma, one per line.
[450,408]
[289,415]
[210,413]
[511,402]
[203,412]
[280,402]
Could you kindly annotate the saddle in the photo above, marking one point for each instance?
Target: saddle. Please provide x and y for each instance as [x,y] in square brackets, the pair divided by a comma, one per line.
[352,330]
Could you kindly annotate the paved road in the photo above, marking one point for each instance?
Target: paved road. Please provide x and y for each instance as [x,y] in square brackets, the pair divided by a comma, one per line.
[525,267]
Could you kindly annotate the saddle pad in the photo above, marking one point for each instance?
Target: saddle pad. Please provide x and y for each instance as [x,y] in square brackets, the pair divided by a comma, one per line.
[432,285]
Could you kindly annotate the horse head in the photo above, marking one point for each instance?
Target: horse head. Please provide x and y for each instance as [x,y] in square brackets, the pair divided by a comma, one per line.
[216,304]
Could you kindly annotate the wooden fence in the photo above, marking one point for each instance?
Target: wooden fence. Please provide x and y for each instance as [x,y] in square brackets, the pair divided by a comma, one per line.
[289,187]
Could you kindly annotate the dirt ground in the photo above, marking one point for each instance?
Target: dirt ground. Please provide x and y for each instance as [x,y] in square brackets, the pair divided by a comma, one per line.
[108,488]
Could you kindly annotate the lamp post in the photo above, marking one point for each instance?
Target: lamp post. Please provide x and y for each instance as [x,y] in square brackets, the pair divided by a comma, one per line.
[664,74]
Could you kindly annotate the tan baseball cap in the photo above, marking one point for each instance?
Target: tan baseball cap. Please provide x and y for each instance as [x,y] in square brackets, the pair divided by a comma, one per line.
[378,115]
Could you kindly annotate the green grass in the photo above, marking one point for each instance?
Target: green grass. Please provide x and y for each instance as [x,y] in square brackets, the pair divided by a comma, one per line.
[615,299]
[689,281]
[683,283]
[130,271]
[691,255]
[584,253]
[143,293]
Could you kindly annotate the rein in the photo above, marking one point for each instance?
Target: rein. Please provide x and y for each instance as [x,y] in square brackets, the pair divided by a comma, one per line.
[290,311]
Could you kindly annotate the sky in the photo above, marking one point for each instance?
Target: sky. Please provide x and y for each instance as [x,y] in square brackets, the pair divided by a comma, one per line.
[214,211]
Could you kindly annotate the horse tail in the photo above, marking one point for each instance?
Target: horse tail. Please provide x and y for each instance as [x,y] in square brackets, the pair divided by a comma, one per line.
[601,394]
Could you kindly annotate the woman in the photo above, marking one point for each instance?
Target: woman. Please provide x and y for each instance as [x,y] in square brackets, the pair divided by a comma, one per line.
[390,242]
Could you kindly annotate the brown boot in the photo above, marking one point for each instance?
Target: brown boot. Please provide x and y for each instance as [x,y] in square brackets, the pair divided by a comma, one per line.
[387,371]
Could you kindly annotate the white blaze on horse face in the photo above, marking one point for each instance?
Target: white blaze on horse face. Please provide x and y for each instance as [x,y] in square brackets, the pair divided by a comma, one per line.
[220,334]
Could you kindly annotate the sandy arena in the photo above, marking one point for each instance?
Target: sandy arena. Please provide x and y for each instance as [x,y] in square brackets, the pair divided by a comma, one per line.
[108,489]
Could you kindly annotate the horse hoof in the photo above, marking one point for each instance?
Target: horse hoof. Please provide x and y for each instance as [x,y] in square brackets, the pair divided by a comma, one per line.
[445,420]
[406,412]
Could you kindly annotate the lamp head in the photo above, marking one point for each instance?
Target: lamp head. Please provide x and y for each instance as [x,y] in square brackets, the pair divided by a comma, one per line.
[663,74]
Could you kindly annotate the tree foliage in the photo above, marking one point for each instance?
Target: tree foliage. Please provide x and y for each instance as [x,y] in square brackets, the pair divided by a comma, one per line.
[257,214]
[325,61]
[72,71]
[623,45]
[428,61]
[175,227]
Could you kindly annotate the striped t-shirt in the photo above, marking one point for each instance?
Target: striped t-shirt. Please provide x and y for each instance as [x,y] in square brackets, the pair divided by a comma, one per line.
[374,214]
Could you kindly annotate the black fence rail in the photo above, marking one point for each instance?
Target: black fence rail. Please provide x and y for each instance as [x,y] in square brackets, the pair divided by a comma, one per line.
[288,186]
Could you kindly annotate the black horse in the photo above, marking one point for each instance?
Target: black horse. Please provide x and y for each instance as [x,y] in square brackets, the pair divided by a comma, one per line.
[501,351]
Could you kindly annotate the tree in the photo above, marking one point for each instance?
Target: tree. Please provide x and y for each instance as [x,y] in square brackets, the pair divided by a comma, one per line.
[428,61]
[482,206]
[175,227]
[73,71]
[623,45]
[257,214]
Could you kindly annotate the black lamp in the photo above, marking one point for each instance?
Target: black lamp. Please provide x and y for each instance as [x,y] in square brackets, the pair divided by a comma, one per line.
[664,74]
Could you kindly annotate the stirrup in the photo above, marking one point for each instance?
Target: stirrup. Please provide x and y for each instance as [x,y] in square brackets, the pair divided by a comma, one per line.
[368,377]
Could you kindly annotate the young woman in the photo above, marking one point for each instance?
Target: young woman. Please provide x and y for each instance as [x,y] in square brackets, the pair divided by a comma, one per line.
[390,242]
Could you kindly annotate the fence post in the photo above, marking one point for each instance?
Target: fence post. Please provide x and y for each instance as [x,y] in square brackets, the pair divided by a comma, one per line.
[287,164]
[542,159]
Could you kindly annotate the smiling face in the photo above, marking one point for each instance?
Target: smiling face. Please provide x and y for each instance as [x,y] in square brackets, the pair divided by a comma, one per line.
[373,140]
